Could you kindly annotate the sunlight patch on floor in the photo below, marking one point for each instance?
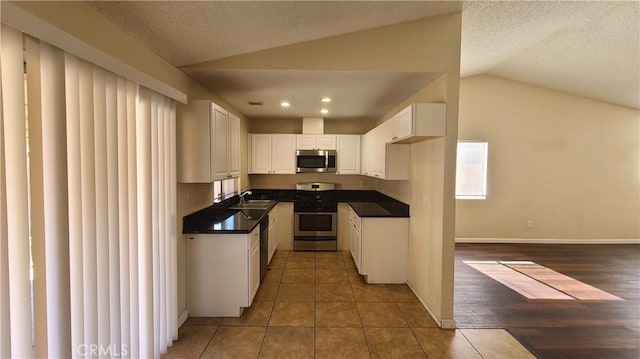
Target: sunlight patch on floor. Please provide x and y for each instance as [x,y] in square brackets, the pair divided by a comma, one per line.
[534,281]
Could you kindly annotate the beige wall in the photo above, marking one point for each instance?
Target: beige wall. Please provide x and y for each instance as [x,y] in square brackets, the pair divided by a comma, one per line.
[431,231]
[294,125]
[83,22]
[429,45]
[568,163]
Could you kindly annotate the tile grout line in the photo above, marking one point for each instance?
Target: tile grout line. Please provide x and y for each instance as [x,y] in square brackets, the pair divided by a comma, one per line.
[209,341]
[472,345]
[355,302]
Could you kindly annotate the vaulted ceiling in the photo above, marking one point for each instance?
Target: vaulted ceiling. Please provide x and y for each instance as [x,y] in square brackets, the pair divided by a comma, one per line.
[590,49]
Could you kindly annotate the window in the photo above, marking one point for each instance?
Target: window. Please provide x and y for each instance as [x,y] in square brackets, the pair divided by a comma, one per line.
[225,187]
[471,170]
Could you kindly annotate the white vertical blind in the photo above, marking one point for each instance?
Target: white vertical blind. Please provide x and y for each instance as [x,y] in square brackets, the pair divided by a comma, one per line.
[88,198]
[103,209]
[72,94]
[48,177]
[134,287]
[15,199]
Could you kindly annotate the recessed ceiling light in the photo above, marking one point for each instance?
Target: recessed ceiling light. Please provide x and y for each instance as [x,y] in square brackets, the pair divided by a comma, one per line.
[324,110]
[326,99]
[284,104]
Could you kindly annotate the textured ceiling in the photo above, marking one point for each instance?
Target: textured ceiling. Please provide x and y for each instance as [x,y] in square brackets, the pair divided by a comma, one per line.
[590,49]
[585,48]
[189,32]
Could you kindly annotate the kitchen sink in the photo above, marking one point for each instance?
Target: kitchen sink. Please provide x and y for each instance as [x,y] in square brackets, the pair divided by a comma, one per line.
[253,204]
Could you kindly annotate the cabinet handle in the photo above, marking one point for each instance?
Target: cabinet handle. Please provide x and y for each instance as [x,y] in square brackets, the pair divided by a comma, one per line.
[394,137]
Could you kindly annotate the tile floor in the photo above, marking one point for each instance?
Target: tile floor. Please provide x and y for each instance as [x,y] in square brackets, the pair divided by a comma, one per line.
[315,305]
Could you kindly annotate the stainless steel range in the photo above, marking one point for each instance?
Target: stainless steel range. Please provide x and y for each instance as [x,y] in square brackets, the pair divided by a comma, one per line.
[315,209]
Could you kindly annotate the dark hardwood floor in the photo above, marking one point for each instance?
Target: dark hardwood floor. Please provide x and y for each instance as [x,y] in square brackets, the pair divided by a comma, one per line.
[556,329]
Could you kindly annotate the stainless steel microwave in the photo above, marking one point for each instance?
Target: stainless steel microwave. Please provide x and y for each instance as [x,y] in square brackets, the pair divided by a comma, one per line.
[315,161]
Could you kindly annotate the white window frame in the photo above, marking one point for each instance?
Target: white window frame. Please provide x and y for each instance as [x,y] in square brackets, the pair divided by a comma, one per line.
[462,171]
[223,188]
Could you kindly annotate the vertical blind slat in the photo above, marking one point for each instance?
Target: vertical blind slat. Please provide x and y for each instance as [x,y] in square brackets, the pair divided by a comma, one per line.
[74,178]
[113,218]
[49,198]
[16,192]
[5,319]
[102,205]
[145,220]
[132,143]
[155,202]
[55,196]
[173,221]
[123,213]
[36,182]
[88,196]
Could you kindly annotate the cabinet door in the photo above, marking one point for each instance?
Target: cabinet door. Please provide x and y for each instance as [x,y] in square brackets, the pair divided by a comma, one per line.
[326,142]
[219,139]
[193,136]
[305,142]
[365,155]
[402,124]
[379,150]
[348,154]
[233,157]
[283,154]
[254,264]
[260,153]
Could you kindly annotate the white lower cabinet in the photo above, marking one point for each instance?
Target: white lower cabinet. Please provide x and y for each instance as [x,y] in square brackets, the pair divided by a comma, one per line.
[379,247]
[274,231]
[223,273]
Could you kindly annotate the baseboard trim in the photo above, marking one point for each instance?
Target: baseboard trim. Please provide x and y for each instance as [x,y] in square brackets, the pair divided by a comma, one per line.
[183,317]
[443,323]
[551,240]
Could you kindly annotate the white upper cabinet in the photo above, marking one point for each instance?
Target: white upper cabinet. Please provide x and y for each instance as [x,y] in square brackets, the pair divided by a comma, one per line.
[348,154]
[385,149]
[272,154]
[283,154]
[315,142]
[260,153]
[416,122]
[208,139]
[234,145]
[382,160]
[220,145]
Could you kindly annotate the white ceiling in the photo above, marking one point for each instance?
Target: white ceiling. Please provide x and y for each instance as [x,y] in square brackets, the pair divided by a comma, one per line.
[585,48]
[354,94]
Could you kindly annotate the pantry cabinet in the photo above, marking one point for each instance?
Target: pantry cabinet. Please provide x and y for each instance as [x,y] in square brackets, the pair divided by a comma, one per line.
[223,273]
[208,141]
[272,154]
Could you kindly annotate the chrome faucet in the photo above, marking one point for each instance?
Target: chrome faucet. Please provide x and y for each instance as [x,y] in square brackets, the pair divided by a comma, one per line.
[244,194]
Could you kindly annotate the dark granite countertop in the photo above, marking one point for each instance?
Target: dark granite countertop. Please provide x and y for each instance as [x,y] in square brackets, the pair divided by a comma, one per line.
[218,218]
